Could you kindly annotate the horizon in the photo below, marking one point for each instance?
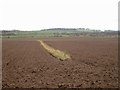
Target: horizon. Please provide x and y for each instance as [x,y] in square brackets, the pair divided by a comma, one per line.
[42,14]
[54,28]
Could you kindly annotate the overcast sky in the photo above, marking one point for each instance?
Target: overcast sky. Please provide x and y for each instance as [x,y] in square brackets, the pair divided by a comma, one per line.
[41,14]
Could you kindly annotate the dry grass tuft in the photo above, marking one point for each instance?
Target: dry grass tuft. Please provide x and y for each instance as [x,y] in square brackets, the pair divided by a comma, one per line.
[55,52]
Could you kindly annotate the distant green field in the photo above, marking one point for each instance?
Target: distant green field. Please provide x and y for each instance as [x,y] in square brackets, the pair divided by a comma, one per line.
[57,33]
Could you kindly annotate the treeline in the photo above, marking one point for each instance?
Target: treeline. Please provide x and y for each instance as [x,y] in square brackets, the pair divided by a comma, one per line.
[59,32]
[9,32]
[69,29]
[111,33]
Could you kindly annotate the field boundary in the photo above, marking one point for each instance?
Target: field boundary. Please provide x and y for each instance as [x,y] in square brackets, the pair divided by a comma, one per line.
[55,52]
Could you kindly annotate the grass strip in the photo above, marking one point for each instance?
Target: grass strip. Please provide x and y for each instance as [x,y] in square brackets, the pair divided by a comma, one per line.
[55,52]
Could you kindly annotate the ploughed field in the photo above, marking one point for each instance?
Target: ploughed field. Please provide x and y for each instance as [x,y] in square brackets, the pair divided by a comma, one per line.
[27,64]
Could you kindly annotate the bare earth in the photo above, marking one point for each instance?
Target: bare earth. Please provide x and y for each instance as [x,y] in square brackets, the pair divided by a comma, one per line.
[27,64]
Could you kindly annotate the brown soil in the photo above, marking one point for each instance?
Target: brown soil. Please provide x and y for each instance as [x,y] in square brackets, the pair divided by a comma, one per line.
[94,64]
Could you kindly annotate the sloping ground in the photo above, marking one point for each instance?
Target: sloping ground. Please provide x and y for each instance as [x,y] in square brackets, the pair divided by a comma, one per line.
[26,64]
[100,56]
